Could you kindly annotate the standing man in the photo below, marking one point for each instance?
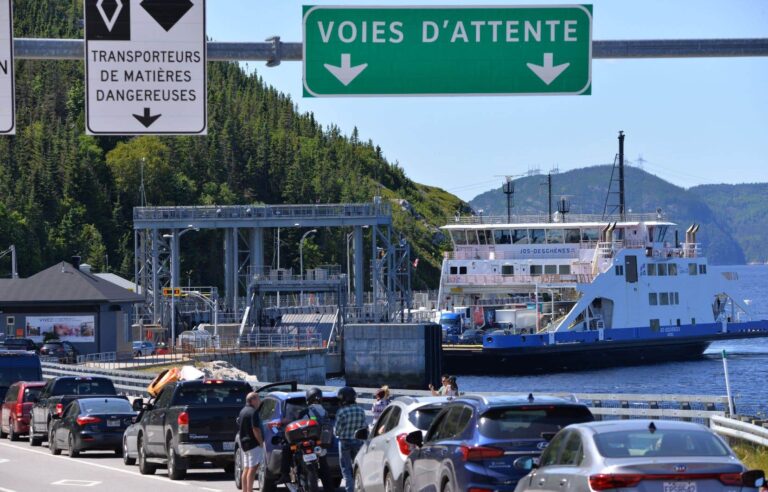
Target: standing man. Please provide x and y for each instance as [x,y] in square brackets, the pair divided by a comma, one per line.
[349,419]
[251,439]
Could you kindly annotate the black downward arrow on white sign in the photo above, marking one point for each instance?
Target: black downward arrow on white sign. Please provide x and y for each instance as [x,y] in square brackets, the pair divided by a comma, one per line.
[167,12]
[146,119]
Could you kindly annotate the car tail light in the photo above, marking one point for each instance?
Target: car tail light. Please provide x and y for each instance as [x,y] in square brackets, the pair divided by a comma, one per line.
[477,453]
[81,421]
[59,409]
[479,489]
[183,421]
[213,381]
[731,479]
[402,445]
[19,409]
[608,481]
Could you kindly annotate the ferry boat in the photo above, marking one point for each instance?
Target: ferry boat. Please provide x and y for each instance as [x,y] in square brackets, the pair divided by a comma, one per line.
[572,292]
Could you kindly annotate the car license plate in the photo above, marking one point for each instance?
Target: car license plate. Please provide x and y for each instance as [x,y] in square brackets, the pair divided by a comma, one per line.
[113,423]
[309,458]
[679,486]
[229,446]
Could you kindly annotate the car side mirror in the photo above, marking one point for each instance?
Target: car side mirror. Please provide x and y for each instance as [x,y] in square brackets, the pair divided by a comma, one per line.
[753,478]
[525,464]
[277,440]
[415,438]
[361,434]
[138,404]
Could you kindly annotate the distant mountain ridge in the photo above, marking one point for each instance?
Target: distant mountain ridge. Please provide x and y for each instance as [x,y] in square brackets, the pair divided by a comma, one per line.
[732,217]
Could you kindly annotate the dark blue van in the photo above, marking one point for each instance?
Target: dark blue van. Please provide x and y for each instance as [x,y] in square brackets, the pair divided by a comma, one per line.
[18,366]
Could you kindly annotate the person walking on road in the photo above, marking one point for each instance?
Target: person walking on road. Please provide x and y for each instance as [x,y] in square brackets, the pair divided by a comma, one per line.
[251,439]
[349,419]
[382,400]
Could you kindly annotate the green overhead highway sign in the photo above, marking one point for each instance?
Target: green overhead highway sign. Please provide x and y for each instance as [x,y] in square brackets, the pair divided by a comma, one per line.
[447,50]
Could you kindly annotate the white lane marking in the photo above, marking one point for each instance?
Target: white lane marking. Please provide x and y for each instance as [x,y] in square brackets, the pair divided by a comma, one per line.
[3,460]
[212,490]
[6,490]
[89,463]
[76,483]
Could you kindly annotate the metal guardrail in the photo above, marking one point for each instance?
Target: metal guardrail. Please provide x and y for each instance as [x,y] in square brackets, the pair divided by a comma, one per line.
[740,430]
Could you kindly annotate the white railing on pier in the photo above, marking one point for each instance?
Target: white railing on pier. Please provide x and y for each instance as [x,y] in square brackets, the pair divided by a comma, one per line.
[740,430]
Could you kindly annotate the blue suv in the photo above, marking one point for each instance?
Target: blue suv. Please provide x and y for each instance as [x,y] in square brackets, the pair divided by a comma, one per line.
[473,442]
[286,406]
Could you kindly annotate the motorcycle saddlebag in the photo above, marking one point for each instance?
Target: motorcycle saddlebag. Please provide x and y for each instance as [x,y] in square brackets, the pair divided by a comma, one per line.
[302,430]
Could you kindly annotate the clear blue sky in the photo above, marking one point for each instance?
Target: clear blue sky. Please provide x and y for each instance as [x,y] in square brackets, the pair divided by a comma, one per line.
[694,121]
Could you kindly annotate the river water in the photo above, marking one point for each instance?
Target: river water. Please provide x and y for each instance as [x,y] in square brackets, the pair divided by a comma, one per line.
[747,364]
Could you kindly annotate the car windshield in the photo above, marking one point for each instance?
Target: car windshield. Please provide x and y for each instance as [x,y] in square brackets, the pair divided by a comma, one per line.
[530,422]
[422,417]
[31,394]
[211,395]
[85,387]
[107,405]
[661,443]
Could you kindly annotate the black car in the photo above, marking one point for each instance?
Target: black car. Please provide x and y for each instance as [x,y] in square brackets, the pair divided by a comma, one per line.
[91,424]
[472,337]
[20,344]
[64,351]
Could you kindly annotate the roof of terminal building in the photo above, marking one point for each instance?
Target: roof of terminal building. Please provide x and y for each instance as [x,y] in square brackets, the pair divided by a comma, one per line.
[63,283]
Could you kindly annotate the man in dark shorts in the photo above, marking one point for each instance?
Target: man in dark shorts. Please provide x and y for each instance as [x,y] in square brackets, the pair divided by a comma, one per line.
[251,439]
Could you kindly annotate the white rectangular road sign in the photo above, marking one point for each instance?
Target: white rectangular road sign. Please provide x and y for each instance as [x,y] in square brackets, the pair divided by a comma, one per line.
[7,91]
[145,67]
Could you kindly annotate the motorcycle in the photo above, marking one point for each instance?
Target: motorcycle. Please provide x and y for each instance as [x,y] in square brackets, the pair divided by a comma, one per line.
[305,438]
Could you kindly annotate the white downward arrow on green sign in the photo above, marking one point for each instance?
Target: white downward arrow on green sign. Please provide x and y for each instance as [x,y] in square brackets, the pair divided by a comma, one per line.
[346,73]
[547,72]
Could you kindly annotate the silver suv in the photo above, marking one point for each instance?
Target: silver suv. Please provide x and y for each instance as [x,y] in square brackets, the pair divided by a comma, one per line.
[380,463]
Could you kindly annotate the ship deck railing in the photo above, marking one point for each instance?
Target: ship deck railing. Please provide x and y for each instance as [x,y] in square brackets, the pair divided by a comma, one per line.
[545,219]
[498,279]
[605,250]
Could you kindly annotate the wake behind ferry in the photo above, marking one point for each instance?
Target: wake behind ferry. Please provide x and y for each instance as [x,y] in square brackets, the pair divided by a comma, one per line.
[569,292]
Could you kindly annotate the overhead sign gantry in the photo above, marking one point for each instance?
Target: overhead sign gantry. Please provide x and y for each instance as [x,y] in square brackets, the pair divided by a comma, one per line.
[7,88]
[450,50]
[145,67]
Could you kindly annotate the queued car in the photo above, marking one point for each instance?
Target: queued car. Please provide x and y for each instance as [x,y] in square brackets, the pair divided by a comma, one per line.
[278,407]
[380,463]
[130,436]
[638,455]
[91,424]
[143,348]
[471,337]
[474,441]
[18,366]
[15,413]
[65,352]
[14,343]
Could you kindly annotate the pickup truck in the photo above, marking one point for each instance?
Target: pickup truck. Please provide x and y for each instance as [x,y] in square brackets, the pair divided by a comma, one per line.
[190,423]
[56,395]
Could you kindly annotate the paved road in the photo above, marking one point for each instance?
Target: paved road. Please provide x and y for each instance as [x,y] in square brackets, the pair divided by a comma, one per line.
[27,469]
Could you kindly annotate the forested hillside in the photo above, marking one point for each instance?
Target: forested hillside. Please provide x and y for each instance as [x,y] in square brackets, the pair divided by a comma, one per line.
[586,189]
[64,193]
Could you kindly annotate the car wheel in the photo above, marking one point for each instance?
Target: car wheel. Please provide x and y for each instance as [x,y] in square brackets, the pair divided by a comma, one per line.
[52,445]
[407,486]
[176,468]
[127,460]
[144,467]
[239,469]
[12,435]
[268,484]
[4,434]
[447,487]
[389,483]
[33,440]
[72,451]
[359,481]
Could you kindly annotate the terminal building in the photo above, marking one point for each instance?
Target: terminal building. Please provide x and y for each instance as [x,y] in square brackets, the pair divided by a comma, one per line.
[88,311]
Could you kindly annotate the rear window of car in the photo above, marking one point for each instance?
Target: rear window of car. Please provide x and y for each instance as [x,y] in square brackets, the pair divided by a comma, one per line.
[18,367]
[84,387]
[530,422]
[422,418]
[661,443]
[95,406]
[211,394]
[31,394]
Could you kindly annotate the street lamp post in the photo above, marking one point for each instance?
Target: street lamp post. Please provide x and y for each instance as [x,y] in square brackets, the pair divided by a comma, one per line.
[301,258]
[174,237]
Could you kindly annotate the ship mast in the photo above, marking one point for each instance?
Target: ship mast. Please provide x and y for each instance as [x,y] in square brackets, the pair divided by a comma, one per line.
[621,176]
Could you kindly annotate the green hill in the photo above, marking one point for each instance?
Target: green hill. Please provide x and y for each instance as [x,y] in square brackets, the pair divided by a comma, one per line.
[586,189]
[64,193]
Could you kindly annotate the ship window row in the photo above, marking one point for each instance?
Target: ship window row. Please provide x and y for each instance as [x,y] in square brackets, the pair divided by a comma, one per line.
[533,270]
[458,270]
[663,298]
[696,269]
[662,269]
[474,237]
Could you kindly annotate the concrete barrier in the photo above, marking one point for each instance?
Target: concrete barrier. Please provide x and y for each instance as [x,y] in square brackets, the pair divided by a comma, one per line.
[400,355]
[307,366]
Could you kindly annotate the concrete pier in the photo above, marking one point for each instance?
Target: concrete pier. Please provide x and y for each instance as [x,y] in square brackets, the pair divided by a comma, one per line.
[400,355]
